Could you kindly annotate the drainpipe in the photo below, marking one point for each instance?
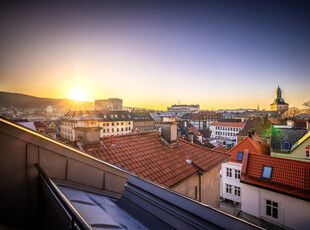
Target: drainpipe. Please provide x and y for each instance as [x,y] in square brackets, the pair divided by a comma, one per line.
[200,173]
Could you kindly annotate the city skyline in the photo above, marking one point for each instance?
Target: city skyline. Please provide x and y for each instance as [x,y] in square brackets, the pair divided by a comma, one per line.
[152,55]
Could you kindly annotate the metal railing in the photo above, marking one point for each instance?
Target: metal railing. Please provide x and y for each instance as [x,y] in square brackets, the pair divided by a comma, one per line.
[76,219]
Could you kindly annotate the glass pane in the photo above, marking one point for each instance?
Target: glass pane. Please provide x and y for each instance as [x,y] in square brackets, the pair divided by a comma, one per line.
[268,210]
[275,213]
[267,172]
[275,204]
[268,202]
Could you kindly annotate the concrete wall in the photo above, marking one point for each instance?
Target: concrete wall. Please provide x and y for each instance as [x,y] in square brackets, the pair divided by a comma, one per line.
[20,149]
[210,187]
[293,212]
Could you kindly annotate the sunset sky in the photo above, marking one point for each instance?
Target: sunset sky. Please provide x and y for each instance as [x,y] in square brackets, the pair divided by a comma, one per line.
[156,53]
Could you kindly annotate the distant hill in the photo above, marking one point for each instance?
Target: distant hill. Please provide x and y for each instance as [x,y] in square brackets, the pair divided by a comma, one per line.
[27,101]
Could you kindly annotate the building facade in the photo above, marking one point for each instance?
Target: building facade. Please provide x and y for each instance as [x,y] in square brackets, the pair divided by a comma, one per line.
[226,130]
[111,104]
[183,108]
[202,119]
[142,121]
[279,104]
[276,190]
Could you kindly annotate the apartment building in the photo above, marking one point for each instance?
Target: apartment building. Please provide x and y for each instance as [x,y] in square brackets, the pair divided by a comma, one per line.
[202,119]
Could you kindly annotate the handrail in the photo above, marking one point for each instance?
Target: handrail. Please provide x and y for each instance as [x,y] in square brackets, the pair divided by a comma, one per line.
[76,217]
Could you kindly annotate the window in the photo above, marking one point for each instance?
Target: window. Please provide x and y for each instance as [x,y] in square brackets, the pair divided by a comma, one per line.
[103,130]
[126,129]
[240,156]
[117,123]
[228,172]
[117,130]
[112,123]
[196,193]
[272,209]
[122,129]
[108,124]
[286,145]
[108,130]
[103,124]
[112,130]
[237,174]
[129,128]
[266,172]
[308,151]
[237,191]
[129,123]
[122,123]
[115,115]
[228,188]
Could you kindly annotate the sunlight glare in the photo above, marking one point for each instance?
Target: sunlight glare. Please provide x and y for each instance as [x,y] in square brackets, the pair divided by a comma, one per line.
[78,95]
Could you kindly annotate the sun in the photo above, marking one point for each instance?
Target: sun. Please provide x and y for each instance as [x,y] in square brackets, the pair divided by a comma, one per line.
[78,95]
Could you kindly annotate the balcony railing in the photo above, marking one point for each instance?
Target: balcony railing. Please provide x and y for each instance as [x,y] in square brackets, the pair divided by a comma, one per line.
[77,221]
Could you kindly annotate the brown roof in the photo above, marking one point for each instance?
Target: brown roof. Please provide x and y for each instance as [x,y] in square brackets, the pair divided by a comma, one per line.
[147,155]
[288,176]
[221,148]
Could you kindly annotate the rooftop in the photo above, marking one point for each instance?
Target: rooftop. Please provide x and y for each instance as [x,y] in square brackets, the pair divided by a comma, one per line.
[254,144]
[288,176]
[149,156]
[279,135]
[257,124]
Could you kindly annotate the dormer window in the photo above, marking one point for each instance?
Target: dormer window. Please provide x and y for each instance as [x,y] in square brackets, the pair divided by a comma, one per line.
[267,172]
[240,156]
[115,115]
[286,145]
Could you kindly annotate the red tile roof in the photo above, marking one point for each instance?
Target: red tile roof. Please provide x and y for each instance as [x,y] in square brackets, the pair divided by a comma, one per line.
[147,155]
[288,176]
[195,131]
[255,145]
[221,148]
[228,124]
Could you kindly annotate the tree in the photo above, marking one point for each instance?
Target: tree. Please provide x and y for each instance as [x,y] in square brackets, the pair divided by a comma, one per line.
[307,104]
[291,113]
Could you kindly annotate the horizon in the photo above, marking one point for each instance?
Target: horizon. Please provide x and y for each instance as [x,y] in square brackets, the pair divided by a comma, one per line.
[153,55]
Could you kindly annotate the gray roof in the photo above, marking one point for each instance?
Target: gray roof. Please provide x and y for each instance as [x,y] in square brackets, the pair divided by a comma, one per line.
[280,135]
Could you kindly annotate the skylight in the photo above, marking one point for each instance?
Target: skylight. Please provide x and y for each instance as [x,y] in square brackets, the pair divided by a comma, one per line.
[286,145]
[267,172]
[240,156]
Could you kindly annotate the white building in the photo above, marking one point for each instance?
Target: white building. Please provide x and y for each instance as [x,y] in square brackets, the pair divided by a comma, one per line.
[225,130]
[276,190]
[112,123]
[231,171]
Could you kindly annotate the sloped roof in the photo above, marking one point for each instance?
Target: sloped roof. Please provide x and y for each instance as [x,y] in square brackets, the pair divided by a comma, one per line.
[254,144]
[280,135]
[256,124]
[298,143]
[228,124]
[147,155]
[221,148]
[275,121]
[288,176]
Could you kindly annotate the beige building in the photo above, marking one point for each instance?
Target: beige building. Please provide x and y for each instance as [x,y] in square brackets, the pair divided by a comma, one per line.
[142,121]
[111,123]
[279,104]
[111,104]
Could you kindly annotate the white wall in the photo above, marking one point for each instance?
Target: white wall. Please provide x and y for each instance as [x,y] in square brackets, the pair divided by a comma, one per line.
[293,212]
[230,180]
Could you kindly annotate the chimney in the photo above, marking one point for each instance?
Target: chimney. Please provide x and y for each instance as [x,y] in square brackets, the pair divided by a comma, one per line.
[169,128]
[250,133]
[112,139]
[191,137]
[244,164]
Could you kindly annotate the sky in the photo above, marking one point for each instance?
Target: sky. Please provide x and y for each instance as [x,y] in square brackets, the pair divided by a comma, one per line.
[219,54]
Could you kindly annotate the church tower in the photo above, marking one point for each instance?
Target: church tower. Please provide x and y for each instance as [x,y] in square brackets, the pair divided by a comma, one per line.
[279,103]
